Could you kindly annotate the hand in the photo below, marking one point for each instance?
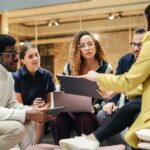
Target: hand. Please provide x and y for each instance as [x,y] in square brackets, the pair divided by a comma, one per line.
[105,95]
[109,108]
[93,110]
[40,115]
[91,75]
[38,103]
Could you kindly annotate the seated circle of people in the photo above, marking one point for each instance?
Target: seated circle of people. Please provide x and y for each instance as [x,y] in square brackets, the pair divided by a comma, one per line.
[138,75]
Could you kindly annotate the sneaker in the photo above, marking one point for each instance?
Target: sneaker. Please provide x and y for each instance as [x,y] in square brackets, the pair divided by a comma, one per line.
[79,143]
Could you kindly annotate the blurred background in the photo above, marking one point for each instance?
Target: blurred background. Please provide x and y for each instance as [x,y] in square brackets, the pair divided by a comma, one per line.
[51,25]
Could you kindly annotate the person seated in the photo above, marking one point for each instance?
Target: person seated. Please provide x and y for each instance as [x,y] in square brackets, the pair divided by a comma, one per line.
[33,84]
[15,118]
[139,74]
[86,54]
[124,64]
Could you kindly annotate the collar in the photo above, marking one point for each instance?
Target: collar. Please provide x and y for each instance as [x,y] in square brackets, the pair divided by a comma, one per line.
[3,70]
[25,71]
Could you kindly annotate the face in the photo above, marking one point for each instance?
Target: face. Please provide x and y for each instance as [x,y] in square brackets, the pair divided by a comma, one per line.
[87,47]
[31,59]
[9,58]
[136,44]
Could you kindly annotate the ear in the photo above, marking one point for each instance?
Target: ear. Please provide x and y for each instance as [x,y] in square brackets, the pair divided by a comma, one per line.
[22,61]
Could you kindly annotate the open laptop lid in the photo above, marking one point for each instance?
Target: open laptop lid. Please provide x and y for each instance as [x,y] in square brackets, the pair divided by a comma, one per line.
[79,86]
[72,103]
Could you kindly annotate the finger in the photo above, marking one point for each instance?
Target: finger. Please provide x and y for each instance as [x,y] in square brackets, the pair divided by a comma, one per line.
[45,110]
[82,76]
[114,109]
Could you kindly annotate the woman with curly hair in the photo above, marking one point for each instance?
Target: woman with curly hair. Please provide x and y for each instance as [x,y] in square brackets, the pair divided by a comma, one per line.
[85,54]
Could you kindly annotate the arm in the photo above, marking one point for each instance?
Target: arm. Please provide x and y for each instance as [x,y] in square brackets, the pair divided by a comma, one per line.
[19,97]
[107,95]
[138,73]
[135,92]
[48,100]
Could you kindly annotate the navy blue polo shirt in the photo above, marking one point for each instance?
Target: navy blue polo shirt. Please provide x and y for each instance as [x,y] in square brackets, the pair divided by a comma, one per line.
[124,64]
[31,87]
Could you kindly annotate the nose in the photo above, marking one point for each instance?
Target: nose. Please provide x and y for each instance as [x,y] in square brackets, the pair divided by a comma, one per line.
[136,47]
[86,47]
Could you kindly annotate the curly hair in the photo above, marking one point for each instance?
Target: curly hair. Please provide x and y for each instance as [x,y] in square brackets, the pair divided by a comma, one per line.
[75,55]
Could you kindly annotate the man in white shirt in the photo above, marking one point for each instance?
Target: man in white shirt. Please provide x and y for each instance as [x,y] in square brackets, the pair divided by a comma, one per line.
[13,115]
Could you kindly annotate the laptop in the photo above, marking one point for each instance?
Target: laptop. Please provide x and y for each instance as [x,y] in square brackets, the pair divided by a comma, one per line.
[79,86]
[72,103]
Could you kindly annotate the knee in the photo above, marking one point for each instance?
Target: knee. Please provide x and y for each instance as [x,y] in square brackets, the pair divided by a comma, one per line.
[18,129]
[59,120]
[101,117]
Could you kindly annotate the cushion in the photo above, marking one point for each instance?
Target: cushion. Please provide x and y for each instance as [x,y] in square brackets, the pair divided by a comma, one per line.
[144,145]
[43,147]
[54,147]
[115,147]
[143,134]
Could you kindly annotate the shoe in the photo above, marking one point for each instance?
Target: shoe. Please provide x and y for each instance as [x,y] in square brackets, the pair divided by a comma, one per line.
[79,143]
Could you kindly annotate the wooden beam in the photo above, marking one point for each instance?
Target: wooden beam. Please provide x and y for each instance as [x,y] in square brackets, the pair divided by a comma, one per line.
[71,28]
[77,10]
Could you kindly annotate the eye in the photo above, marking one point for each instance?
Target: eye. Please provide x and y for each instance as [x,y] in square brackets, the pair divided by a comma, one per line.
[30,56]
[90,44]
[36,54]
[81,46]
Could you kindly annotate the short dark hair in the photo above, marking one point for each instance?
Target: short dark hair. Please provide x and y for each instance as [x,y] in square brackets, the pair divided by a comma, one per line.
[139,30]
[147,15]
[6,40]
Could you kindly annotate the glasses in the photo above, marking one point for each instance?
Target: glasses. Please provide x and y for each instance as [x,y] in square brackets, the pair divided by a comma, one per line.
[11,54]
[84,47]
[133,45]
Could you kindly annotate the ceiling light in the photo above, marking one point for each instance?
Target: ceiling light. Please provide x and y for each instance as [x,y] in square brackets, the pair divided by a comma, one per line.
[119,15]
[56,23]
[49,24]
[111,16]
[53,23]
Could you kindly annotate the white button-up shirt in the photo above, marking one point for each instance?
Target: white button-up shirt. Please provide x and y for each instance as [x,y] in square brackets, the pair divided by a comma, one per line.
[10,109]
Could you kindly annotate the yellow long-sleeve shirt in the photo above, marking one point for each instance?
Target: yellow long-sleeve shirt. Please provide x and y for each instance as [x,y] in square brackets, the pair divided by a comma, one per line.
[138,74]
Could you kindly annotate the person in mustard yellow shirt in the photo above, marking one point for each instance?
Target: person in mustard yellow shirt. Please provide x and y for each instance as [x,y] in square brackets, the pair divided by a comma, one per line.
[139,74]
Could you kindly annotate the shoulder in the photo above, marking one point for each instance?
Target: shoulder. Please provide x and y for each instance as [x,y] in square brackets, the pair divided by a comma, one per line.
[67,69]
[104,67]
[45,71]
[126,57]
[146,38]
[105,63]
[17,74]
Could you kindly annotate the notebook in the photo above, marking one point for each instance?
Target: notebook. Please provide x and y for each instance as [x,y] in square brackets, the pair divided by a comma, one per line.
[79,86]
[72,103]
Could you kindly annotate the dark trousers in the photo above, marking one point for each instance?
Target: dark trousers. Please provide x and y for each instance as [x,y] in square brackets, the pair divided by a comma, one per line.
[63,124]
[124,117]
